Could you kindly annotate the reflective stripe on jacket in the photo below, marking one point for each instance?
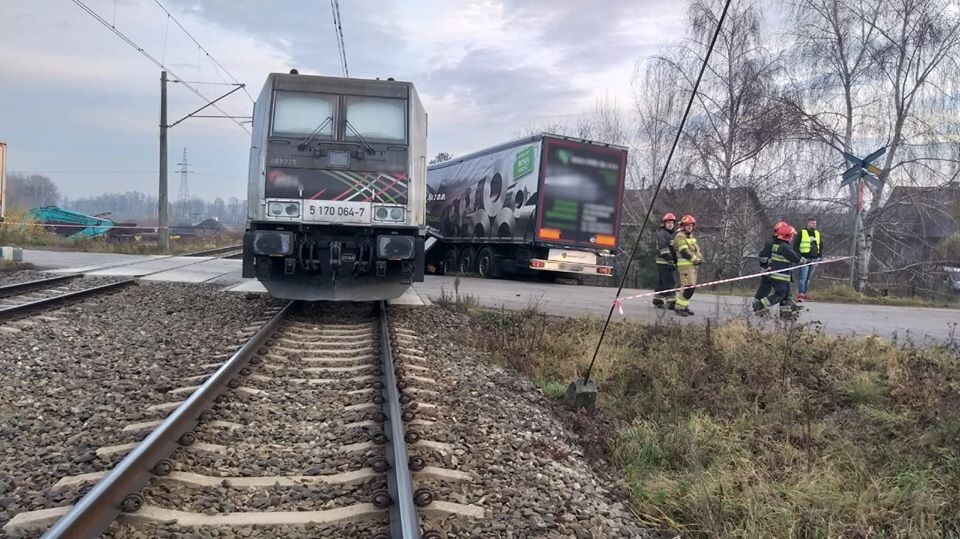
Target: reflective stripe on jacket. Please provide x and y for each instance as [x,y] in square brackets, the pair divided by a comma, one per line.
[782,257]
[665,252]
[686,247]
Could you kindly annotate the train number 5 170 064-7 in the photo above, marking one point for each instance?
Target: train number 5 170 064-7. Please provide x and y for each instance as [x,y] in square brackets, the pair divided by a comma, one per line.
[337,211]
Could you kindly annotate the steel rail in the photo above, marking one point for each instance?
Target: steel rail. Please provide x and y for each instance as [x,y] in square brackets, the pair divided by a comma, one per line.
[119,490]
[46,303]
[18,288]
[404,522]
[216,251]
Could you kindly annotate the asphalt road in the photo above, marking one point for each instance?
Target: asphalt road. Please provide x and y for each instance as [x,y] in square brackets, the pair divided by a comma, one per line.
[921,325]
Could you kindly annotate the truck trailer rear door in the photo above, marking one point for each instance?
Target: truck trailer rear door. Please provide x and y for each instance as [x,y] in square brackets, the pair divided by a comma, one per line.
[580,195]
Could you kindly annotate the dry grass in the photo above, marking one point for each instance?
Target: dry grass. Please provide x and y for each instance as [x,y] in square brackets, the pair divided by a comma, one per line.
[9,265]
[735,432]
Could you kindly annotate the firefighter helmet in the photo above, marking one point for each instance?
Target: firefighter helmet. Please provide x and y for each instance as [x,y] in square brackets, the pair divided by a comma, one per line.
[687,220]
[785,232]
[668,217]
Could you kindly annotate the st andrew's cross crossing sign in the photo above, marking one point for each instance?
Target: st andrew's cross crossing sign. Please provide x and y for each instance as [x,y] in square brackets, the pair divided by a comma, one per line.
[863,169]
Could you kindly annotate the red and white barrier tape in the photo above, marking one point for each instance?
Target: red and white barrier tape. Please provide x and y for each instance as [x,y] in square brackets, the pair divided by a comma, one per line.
[618,302]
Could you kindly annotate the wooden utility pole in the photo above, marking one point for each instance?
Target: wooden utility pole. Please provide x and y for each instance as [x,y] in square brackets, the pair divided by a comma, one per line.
[163,230]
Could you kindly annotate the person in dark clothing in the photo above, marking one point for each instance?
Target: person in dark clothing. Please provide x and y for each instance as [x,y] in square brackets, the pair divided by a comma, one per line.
[777,254]
[809,245]
[666,263]
[764,258]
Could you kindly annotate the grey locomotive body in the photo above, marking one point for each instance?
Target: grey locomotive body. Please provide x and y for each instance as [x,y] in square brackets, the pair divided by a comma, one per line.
[337,188]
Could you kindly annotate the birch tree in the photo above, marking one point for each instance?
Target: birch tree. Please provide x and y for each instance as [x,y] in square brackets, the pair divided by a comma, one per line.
[879,72]
[737,121]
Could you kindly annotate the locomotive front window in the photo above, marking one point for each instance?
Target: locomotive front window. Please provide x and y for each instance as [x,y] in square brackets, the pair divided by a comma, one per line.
[376,118]
[302,113]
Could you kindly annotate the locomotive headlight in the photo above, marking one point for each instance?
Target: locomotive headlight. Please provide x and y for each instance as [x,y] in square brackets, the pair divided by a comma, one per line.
[396,247]
[273,242]
[389,213]
[286,209]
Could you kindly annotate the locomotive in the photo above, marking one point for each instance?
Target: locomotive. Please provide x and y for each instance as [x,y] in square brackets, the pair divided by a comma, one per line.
[337,188]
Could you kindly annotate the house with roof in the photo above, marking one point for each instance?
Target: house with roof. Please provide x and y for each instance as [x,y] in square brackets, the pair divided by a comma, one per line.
[732,224]
[918,225]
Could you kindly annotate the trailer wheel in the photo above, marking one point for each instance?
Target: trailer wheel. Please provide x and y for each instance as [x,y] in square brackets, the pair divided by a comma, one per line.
[487,264]
[467,260]
[450,261]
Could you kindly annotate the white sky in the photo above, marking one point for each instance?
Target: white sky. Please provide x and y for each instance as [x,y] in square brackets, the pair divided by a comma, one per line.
[79,105]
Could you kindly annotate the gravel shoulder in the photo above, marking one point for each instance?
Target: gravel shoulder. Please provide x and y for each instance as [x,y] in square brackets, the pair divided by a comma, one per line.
[17,276]
[71,378]
[531,475]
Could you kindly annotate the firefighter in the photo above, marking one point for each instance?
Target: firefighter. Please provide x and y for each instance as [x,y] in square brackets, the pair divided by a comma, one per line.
[688,258]
[810,246]
[777,254]
[666,263]
[764,259]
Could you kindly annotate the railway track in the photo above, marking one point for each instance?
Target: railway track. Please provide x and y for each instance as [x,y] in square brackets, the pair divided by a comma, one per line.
[27,298]
[231,251]
[314,427]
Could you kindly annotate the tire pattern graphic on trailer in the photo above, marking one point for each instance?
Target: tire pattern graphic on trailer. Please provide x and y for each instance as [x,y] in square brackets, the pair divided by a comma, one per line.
[492,196]
[341,185]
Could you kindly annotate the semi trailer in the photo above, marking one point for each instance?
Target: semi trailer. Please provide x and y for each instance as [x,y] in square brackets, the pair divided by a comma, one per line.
[545,204]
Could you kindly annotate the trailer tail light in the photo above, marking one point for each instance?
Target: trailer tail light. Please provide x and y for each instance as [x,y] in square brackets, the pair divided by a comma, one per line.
[550,233]
[538,264]
[604,239]
[605,270]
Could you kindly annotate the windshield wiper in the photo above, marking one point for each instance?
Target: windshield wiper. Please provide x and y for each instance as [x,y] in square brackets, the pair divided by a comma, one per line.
[366,144]
[316,131]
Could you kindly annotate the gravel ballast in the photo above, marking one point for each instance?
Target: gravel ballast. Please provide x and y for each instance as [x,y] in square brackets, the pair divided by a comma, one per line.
[71,378]
[69,385]
[530,476]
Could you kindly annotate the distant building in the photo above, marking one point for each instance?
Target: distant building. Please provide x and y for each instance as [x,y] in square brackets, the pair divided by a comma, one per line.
[731,224]
[915,224]
[207,227]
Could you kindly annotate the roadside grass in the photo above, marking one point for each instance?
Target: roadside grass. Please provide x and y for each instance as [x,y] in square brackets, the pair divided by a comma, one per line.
[17,233]
[739,432]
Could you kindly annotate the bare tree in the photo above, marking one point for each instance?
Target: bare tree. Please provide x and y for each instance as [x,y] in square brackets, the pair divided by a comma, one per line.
[440,158]
[657,103]
[879,72]
[917,53]
[738,120]
[31,191]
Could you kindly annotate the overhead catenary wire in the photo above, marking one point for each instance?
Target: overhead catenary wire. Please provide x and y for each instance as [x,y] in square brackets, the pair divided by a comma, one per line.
[153,59]
[338,33]
[663,174]
[202,49]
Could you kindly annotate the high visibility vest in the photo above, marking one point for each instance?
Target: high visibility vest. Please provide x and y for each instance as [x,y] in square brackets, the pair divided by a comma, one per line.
[805,241]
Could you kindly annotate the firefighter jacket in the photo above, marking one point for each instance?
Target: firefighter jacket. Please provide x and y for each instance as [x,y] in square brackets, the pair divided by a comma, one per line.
[765,254]
[665,251]
[808,244]
[688,253]
[782,257]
